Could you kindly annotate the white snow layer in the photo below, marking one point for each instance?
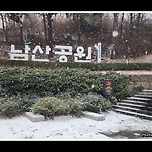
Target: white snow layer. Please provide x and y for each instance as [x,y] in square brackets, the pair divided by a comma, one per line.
[70,128]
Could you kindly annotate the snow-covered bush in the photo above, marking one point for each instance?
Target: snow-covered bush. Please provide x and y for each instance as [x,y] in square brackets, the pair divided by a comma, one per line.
[52,106]
[55,106]
[25,85]
[14,105]
[92,101]
[44,82]
[8,107]
[95,102]
[51,82]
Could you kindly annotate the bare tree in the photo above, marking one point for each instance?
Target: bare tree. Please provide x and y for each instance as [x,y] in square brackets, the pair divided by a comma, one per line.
[76,18]
[131,22]
[122,19]
[101,23]
[16,17]
[3,25]
[50,32]
[139,21]
[115,22]
[114,38]
[45,29]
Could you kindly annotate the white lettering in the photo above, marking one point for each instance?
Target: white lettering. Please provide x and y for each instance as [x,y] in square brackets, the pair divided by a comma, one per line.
[38,54]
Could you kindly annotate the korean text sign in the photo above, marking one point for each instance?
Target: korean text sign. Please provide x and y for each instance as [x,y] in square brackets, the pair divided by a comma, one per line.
[62,51]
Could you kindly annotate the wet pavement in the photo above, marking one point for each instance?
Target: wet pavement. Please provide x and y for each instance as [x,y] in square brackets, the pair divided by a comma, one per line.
[129,134]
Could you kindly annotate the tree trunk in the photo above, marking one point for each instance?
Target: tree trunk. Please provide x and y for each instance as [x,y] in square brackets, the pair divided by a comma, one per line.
[115,22]
[131,22]
[122,19]
[138,21]
[101,24]
[78,26]
[21,32]
[5,32]
[45,31]
[115,28]
[50,34]
[6,27]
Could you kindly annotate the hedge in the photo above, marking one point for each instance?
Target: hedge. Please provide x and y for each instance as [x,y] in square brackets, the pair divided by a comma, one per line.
[59,105]
[90,66]
[51,82]
[21,88]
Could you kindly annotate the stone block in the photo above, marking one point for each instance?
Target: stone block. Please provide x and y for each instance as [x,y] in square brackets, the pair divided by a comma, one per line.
[94,116]
[144,84]
[131,85]
[135,78]
[34,117]
[150,85]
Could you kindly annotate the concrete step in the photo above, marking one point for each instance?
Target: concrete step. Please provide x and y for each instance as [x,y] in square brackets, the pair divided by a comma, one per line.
[144,116]
[143,96]
[147,91]
[131,105]
[34,117]
[94,116]
[134,102]
[126,108]
[140,105]
[138,110]
[148,108]
[139,99]
[137,104]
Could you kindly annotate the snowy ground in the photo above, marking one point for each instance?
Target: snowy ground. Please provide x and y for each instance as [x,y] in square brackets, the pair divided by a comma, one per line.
[72,128]
[141,59]
[132,72]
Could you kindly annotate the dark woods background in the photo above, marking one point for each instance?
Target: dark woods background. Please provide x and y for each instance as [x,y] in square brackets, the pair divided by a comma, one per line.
[75,29]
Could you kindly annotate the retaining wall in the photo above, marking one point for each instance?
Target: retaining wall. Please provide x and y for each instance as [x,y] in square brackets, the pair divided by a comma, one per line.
[143,80]
[137,77]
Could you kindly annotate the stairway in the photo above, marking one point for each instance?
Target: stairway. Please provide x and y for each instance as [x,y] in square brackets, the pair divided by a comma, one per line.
[140,105]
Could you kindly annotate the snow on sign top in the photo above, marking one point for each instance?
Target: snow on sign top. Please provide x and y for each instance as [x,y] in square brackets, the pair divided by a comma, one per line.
[62,51]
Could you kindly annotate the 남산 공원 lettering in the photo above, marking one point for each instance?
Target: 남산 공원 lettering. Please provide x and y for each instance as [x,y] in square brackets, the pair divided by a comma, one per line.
[62,51]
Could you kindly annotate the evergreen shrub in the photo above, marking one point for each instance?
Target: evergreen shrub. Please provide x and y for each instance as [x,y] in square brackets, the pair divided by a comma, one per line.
[91,66]
[21,88]
[14,105]
[43,82]
[52,106]
[51,82]
[95,103]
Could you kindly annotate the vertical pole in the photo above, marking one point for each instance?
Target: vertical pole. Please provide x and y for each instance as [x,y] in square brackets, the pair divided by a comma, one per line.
[109,97]
[99,52]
